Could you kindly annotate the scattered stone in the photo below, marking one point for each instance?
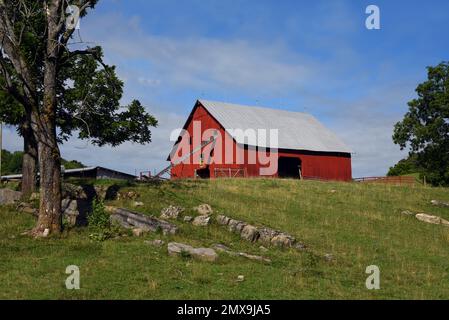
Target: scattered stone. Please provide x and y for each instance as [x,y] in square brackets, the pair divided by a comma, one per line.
[71,191]
[282,240]
[300,246]
[171,212]
[129,219]
[126,195]
[75,210]
[203,254]
[250,233]
[138,232]
[188,219]
[328,257]
[407,213]
[138,204]
[431,219]
[333,191]
[223,248]
[204,209]
[46,233]
[27,208]
[254,234]
[222,220]
[156,243]
[440,203]
[201,221]
[263,249]
[8,196]
[240,278]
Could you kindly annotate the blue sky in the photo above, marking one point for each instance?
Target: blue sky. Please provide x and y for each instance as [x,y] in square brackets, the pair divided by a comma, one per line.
[312,56]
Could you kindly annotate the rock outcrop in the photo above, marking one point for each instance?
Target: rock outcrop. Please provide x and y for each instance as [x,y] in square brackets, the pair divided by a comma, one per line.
[131,220]
[254,234]
[204,254]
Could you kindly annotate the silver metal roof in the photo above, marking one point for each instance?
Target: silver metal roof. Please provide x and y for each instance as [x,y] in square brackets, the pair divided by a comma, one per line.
[296,130]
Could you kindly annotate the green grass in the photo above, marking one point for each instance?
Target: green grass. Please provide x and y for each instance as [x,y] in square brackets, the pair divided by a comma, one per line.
[359,224]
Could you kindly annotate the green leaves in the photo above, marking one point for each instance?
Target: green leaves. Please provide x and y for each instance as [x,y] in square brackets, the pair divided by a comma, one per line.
[425,127]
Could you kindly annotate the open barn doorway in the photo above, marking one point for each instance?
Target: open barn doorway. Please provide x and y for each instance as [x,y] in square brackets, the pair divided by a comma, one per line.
[290,168]
[203,173]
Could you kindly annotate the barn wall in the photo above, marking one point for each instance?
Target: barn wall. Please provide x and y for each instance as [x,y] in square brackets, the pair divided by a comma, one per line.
[325,166]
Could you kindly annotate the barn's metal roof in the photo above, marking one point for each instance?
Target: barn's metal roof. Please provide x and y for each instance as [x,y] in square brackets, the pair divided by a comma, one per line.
[296,130]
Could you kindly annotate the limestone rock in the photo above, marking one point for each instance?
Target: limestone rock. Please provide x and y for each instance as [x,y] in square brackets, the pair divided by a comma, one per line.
[204,209]
[27,208]
[222,220]
[201,221]
[138,232]
[138,204]
[240,278]
[188,219]
[432,219]
[282,240]
[203,254]
[156,243]
[440,203]
[171,212]
[8,197]
[250,233]
[300,246]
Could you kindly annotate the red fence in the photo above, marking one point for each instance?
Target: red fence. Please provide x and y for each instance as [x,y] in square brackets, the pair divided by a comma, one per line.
[401,180]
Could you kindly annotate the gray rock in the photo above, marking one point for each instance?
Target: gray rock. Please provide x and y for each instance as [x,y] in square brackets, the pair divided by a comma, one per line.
[138,204]
[266,234]
[156,243]
[254,257]
[204,209]
[201,221]
[138,232]
[27,208]
[300,246]
[222,220]
[328,257]
[203,254]
[431,219]
[240,278]
[282,240]
[250,233]
[188,219]
[440,203]
[8,197]
[171,212]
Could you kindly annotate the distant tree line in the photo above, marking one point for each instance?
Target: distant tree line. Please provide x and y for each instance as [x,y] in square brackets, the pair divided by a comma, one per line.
[12,163]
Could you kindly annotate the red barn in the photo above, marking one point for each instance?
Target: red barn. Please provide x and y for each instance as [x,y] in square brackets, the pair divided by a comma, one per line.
[228,140]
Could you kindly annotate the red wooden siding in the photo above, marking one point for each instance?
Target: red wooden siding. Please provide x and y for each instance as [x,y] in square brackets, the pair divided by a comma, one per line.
[320,165]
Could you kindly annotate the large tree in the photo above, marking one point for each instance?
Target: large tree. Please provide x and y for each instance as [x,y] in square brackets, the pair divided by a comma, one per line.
[425,127]
[51,87]
[88,107]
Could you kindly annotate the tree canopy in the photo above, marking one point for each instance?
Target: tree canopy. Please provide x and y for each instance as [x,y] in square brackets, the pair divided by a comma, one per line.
[425,127]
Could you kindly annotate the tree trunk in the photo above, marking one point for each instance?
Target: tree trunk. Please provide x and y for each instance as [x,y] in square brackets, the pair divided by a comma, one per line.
[29,162]
[50,185]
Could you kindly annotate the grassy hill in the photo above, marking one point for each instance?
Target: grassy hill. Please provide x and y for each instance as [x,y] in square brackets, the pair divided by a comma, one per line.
[359,224]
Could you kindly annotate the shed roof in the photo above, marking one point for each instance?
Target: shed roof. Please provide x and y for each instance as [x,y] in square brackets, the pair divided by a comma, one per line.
[296,130]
